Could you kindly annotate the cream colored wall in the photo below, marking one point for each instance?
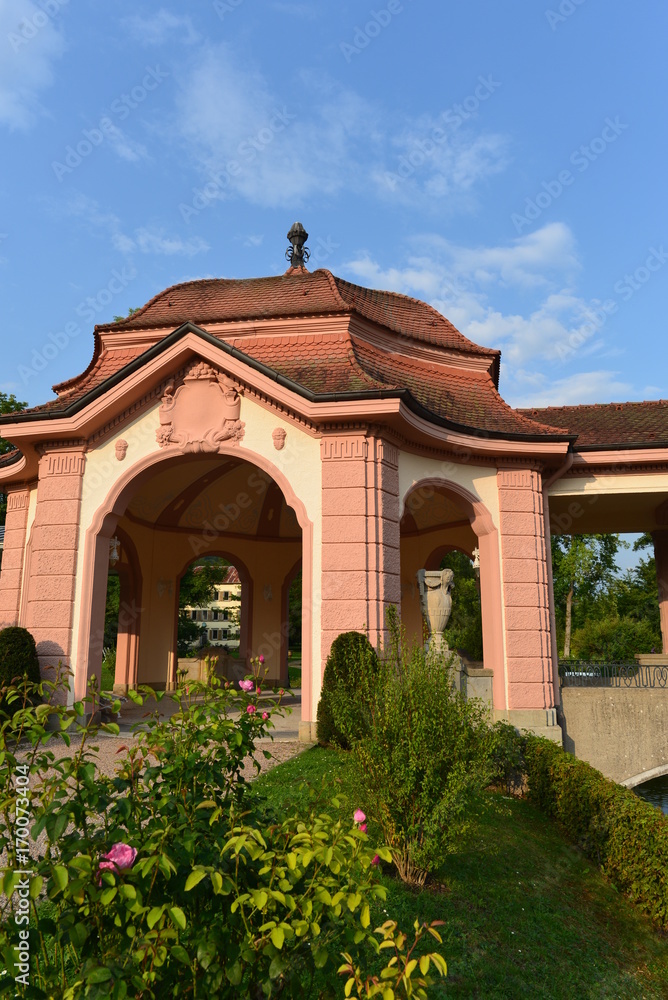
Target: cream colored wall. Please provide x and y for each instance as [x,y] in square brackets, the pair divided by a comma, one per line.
[298,461]
[477,479]
[639,483]
[32,510]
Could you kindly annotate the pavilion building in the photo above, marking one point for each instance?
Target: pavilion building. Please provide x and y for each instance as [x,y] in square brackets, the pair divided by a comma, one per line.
[302,422]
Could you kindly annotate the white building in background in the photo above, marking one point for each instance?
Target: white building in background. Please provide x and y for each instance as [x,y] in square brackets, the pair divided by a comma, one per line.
[222,615]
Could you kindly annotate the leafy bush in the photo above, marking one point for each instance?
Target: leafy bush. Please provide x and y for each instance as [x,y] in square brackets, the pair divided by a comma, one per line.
[612,639]
[423,759]
[162,880]
[505,753]
[350,674]
[18,657]
[627,837]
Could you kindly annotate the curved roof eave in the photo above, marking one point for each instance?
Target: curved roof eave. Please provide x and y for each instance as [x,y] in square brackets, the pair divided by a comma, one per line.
[314,397]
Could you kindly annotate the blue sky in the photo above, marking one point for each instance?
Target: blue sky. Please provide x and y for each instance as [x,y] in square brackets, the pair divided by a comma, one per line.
[504,161]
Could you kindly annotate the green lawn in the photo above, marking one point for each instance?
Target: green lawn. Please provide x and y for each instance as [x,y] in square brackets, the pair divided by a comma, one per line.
[526,915]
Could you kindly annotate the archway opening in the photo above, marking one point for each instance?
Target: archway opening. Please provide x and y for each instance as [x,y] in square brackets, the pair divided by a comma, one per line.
[194,511]
[441,517]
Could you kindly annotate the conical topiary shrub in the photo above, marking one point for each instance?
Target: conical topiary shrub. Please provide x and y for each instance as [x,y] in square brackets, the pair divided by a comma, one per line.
[352,665]
[18,656]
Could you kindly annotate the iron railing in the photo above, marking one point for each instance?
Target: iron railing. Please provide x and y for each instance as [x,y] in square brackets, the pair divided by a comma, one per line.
[589,673]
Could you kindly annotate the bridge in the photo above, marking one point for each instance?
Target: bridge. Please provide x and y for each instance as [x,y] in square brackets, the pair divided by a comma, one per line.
[615,716]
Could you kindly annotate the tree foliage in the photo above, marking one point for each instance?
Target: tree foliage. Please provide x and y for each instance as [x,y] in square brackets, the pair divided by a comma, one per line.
[200,582]
[8,404]
[612,615]
[464,631]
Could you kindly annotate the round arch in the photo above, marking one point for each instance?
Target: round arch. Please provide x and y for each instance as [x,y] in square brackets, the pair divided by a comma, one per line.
[482,524]
[640,779]
[103,525]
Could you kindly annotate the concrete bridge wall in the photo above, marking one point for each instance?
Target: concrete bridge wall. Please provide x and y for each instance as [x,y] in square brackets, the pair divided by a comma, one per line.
[621,731]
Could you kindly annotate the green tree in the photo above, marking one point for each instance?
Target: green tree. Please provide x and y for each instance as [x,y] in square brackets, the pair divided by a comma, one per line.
[8,404]
[584,567]
[464,631]
[295,613]
[111,611]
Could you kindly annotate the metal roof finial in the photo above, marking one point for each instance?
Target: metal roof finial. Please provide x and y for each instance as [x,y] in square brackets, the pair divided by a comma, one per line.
[297,254]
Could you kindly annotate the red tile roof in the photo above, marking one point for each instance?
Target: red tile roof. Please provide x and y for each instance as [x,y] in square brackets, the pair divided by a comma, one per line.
[296,293]
[612,425]
[464,396]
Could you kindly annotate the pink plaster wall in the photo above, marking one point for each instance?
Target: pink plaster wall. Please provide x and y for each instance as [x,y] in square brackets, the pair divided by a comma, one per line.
[360,535]
[49,608]
[526,590]
[13,557]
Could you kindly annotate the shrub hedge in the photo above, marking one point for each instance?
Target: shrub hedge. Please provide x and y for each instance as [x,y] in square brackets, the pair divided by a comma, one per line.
[18,658]
[625,836]
[350,672]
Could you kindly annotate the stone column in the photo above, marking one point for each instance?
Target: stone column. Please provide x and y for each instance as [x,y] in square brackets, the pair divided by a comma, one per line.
[55,536]
[660,539]
[527,626]
[13,556]
[360,535]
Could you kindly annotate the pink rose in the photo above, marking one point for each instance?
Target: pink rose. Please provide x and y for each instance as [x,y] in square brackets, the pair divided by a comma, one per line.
[246,685]
[260,658]
[363,827]
[251,709]
[258,690]
[265,715]
[375,860]
[120,856]
[359,816]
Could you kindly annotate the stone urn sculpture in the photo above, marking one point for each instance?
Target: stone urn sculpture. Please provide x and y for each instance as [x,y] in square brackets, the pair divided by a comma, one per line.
[435,588]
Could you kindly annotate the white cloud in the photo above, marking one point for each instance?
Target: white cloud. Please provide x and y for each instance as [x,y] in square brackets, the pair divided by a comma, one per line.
[125,147]
[143,239]
[419,171]
[547,325]
[254,240]
[147,240]
[537,389]
[257,144]
[156,30]
[31,41]
[271,150]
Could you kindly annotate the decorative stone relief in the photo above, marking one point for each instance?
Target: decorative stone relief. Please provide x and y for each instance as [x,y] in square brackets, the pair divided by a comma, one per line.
[121,449]
[435,588]
[278,436]
[201,413]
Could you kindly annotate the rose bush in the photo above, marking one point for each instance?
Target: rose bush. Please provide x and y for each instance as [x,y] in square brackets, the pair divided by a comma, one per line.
[162,880]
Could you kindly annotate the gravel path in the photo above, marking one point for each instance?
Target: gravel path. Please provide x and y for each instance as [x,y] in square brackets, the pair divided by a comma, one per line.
[108,757]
